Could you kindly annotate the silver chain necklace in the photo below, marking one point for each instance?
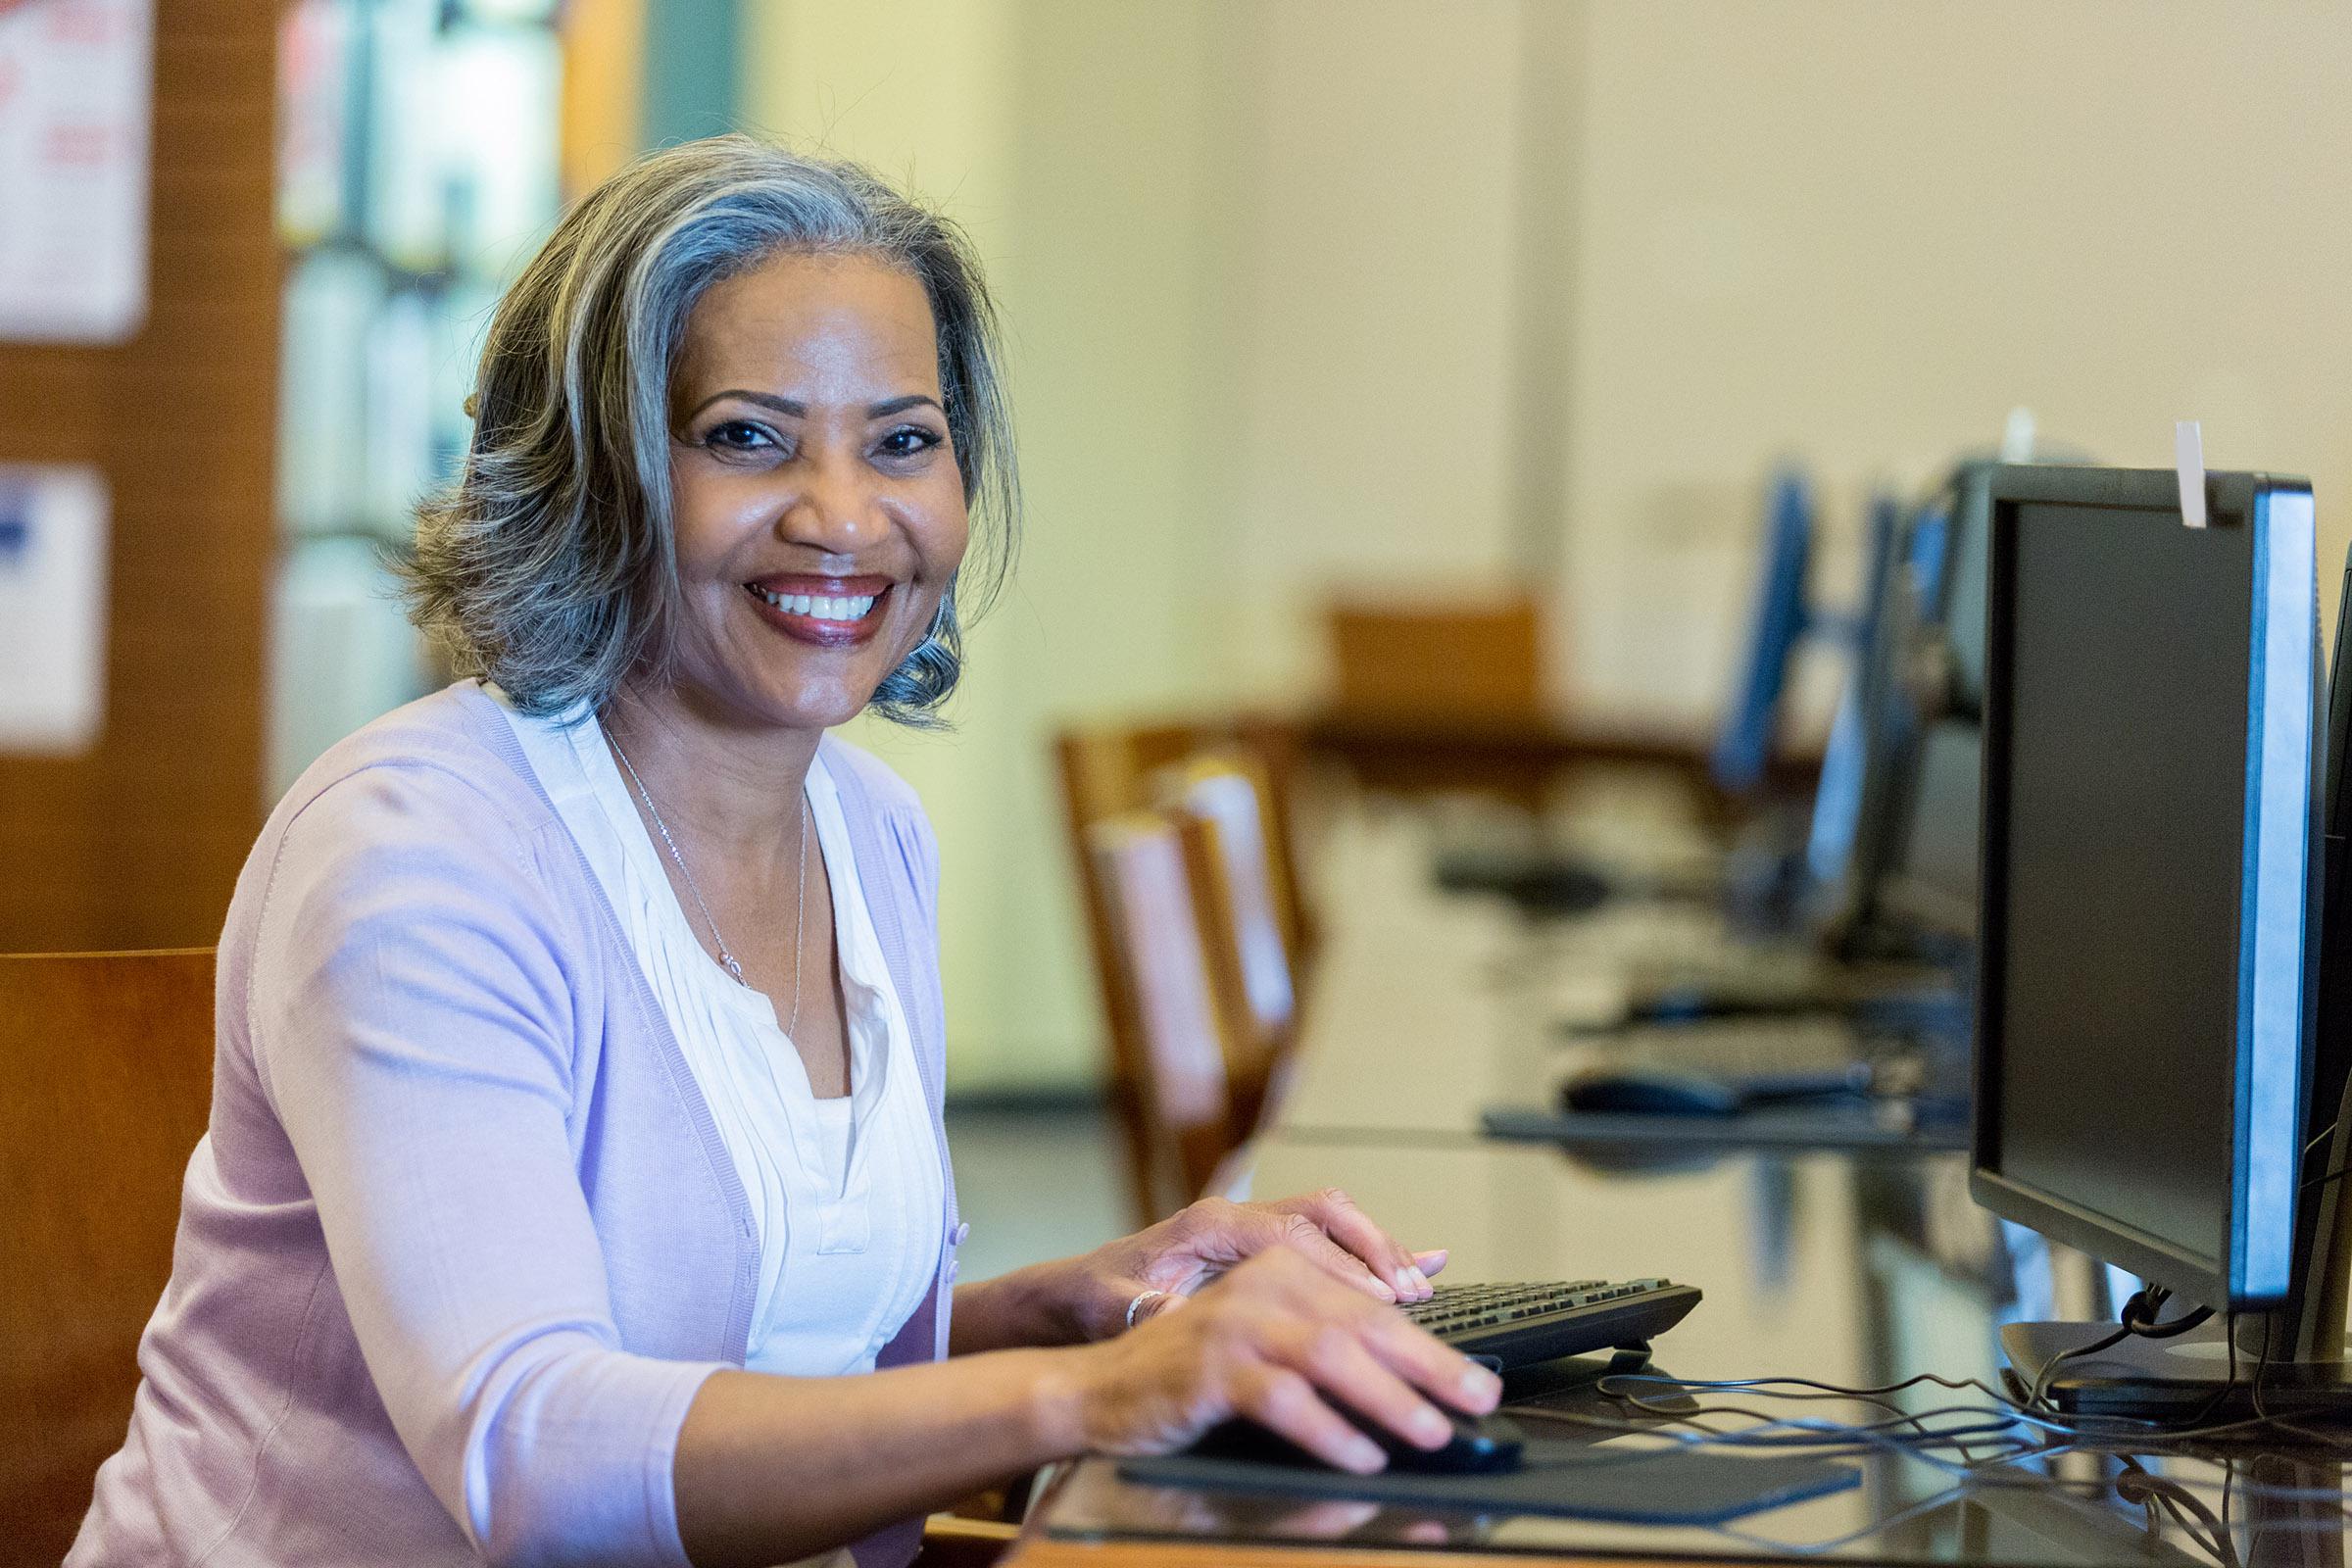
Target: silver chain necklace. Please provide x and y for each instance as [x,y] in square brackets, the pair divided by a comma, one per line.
[801,902]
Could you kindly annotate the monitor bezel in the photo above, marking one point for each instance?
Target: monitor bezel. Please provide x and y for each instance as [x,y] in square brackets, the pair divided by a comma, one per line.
[2280,861]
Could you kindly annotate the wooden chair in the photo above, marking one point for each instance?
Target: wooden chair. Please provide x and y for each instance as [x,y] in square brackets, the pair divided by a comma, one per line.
[109,1058]
[1474,662]
[1111,770]
[1216,803]
[1162,973]
[1441,695]
[110,1065]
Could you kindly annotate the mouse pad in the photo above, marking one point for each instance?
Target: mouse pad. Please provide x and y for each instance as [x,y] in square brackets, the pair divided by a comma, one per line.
[1652,1486]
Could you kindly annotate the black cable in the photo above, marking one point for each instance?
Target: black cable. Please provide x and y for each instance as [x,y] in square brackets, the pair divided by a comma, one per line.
[2180,1502]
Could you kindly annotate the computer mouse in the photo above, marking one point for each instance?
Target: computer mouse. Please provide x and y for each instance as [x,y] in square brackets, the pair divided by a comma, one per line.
[1538,882]
[1649,1090]
[1480,1446]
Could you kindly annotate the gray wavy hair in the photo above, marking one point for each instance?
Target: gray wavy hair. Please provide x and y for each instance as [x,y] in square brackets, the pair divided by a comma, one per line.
[550,564]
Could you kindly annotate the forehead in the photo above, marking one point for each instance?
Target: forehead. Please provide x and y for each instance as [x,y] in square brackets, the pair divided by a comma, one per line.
[803,325]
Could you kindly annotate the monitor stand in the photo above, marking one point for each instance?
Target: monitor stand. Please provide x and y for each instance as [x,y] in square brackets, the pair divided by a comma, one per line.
[2299,1345]
[2185,1378]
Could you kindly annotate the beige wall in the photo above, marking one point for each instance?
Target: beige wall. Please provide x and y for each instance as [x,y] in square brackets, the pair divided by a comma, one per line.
[1283,315]
[1864,232]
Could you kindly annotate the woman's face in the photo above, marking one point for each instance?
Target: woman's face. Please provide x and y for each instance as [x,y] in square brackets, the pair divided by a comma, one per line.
[819,508]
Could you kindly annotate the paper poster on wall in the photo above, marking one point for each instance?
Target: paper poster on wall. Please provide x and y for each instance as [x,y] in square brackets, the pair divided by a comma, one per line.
[75,77]
[53,524]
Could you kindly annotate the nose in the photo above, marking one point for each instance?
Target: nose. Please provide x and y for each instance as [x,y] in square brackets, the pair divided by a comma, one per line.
[835,509]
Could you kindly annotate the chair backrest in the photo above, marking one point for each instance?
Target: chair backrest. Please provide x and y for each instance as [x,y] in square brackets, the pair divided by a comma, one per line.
[1460,662]
[1218,802]
[109,1059]
[1161,970]
[1109,770]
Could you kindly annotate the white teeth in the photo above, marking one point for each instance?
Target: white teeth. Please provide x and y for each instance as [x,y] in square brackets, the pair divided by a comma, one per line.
[821,606]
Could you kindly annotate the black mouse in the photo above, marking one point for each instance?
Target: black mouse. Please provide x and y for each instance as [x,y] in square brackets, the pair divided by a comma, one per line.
[1649,1090]
[1480,1446]
[1539,883]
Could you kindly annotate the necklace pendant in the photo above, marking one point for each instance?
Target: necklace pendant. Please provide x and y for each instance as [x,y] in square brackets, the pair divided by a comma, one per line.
[733,968]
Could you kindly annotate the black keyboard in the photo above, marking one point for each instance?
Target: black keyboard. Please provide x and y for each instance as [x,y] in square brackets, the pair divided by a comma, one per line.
[1518,1325]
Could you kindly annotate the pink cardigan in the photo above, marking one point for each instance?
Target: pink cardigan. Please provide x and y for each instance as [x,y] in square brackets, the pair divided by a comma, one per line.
[462,1241]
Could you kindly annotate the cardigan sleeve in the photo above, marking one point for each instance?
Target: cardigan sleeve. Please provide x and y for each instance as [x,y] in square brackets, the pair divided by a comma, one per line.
[410,1015]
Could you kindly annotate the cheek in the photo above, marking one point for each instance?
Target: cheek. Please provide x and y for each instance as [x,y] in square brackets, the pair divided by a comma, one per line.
[709,511]
[949,532]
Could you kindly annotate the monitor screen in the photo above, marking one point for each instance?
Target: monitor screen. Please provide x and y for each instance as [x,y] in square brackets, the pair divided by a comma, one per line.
[1889,724]
[2146,684]
[1932,879]
[1743,748]
[1837,796]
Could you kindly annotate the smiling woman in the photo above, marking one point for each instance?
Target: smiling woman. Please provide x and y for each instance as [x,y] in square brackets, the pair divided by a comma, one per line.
[542,1220]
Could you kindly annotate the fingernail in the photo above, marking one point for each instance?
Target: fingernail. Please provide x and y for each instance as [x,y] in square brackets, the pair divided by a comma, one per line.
[1480,1383]
[1421,1285]
[1430,1427]
[1404,1280]
[1363,1455]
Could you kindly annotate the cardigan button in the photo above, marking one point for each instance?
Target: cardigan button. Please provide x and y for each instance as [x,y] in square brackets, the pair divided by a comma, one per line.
[955,1237]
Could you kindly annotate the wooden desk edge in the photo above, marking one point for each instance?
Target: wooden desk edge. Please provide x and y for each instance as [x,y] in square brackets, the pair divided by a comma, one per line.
[1041,1551]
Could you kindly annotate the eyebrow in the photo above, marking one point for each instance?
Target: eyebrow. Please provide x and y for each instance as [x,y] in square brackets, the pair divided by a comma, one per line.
[793,408]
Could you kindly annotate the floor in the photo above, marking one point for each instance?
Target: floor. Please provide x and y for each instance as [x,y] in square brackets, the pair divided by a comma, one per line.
[1036,1182]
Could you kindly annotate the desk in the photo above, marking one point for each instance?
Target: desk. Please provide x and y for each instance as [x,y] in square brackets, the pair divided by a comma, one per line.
[1854,1272]
[1425,1007]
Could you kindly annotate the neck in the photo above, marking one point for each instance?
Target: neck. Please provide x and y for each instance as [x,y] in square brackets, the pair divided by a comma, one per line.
[735,788]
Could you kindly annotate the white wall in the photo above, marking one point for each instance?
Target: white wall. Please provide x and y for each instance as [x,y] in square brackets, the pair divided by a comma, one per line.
[1285,314]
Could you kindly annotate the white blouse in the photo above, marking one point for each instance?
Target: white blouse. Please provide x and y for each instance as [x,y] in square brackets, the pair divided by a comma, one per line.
[847,1191]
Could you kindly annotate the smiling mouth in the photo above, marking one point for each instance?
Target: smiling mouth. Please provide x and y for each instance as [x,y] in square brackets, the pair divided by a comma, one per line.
[832,614]
[836,608]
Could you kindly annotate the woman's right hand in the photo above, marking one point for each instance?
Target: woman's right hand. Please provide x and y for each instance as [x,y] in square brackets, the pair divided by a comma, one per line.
[1278,1340]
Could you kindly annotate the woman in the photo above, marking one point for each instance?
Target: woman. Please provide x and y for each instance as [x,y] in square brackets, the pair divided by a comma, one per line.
[579,1031]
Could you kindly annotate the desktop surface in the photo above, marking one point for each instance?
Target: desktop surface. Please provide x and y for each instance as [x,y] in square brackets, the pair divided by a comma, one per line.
[1856,1270]
[1813,1266]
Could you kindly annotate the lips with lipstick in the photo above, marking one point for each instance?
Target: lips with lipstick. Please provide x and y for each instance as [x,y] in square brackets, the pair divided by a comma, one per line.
[828,611]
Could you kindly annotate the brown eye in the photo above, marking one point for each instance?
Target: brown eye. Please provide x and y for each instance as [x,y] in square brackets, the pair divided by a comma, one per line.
[908,441]
[740,435]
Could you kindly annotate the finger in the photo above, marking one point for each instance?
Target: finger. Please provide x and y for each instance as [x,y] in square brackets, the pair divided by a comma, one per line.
[1159,1305]
[1343,1369]
[1409,1350]
[1285,1403]
[1325,1521]
[1418,1356]
[1431,1262]
[1305,1237]
[1355,1229]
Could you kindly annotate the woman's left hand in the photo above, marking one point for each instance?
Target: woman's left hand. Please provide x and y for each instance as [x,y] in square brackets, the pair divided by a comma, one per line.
[1187,1250]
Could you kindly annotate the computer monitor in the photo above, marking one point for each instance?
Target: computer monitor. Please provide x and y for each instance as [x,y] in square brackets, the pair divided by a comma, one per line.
[1928,890]
[2146,1037]
[1892,718]
[1743,747]
[1837,796]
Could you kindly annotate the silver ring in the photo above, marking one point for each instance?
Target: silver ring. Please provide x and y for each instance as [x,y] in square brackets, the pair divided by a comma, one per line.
[1135,1305]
